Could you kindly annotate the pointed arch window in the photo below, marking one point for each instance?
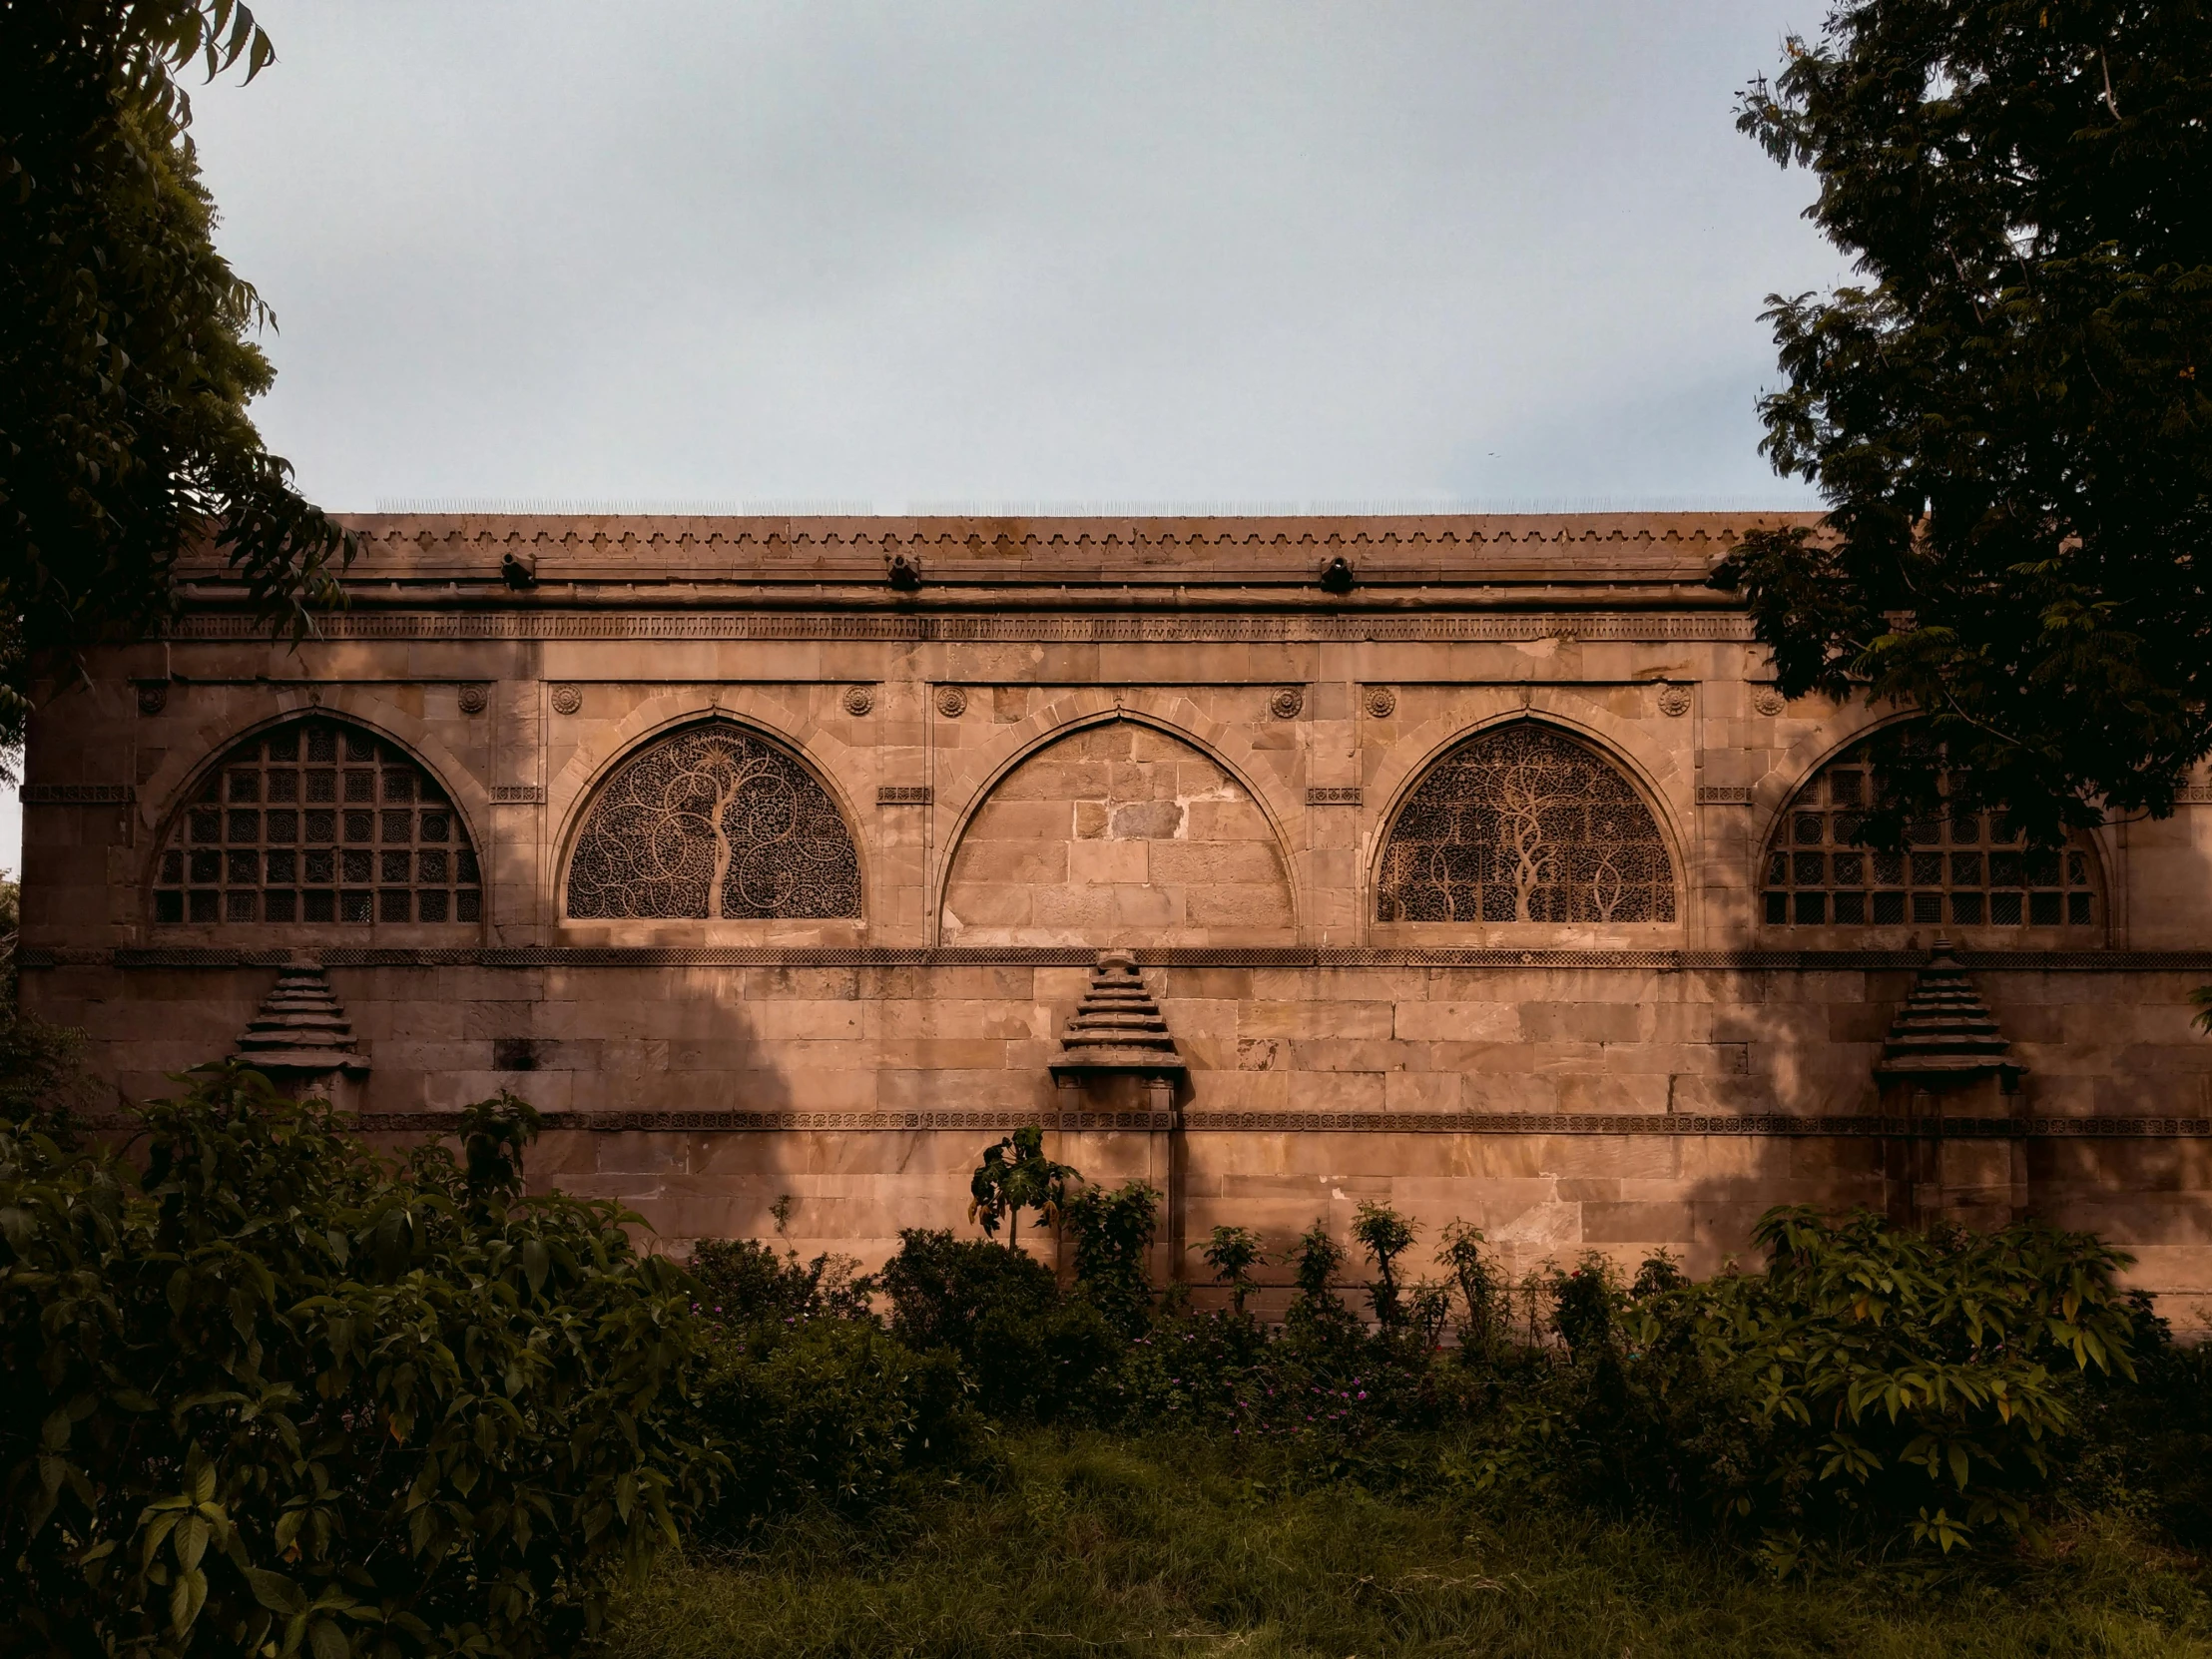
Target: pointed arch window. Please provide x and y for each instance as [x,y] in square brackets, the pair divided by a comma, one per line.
[1970,874]
[714,823]
[1525,824]
[317,821]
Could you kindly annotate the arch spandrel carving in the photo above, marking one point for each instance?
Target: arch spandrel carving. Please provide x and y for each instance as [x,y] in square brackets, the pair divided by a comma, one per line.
[1119,835]
[713,822]
[1525,824]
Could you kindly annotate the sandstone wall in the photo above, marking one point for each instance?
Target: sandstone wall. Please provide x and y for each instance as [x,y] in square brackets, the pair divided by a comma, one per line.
[1047,753]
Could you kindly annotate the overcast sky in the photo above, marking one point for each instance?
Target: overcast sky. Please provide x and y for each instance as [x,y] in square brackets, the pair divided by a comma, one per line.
[908,254]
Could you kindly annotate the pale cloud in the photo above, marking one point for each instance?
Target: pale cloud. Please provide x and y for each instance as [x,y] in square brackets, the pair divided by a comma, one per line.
[910,253]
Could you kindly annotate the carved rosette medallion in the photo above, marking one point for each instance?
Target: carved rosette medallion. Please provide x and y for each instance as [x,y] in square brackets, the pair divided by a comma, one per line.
[1766,701]
[153,696]
[951,702]
[859,699]
[567,700]
[1674,701]
[1382,702]
[1287,704]
[474,699]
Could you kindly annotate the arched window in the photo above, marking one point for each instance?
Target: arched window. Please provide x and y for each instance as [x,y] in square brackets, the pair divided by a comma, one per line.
[1526,823]
[713,824]
[317,821]
[1969,873]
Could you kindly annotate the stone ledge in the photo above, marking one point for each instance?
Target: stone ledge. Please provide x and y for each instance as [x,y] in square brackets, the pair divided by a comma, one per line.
[1760,1125]
[37,957]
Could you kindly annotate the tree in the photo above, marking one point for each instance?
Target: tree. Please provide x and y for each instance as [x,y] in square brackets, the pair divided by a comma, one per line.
[2008,421]
[124,361]
[1014,1176]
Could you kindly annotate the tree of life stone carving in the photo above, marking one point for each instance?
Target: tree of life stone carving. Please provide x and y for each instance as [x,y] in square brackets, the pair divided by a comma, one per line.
[714,824]
[1524,824]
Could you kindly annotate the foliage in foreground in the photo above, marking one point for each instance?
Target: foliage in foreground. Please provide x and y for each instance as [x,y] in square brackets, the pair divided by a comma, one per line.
[1100,1543]
[2010,417]
[272,1396]
[124,361]
[1874,1389]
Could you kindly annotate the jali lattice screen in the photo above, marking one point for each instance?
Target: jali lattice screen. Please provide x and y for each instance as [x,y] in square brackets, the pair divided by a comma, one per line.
[713,824]
[1525,823]
[317,821]
[1967,871]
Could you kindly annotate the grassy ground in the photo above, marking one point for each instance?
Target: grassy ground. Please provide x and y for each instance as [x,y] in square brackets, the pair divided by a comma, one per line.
[1098,1545]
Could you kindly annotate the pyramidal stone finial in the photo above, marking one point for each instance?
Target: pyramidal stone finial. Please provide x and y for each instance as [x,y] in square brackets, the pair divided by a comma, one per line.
[1117,1026]
[1945,1028]
[300,1030]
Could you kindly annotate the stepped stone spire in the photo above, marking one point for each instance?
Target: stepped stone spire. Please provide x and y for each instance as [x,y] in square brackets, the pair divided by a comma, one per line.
[1117,1027]
[1946,1031]
[300,1030]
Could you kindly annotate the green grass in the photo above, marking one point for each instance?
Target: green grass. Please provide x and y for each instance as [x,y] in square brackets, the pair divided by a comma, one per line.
[1093,1544]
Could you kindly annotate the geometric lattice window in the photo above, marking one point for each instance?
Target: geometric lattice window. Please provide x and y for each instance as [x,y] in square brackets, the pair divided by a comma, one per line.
[713,824]
[1969,870]
[1525,823]
[317,821]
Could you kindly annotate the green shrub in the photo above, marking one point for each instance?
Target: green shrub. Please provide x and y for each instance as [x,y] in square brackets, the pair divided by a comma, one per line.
[1318,1318]
[1032,1355]
[1232,1252]
[836,1412]
[1385,1236]
[272,1396]
[1113,1232]
[743,1283]
[1874,1386]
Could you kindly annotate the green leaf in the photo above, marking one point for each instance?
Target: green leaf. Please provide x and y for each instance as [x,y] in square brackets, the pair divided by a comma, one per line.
[274,1592]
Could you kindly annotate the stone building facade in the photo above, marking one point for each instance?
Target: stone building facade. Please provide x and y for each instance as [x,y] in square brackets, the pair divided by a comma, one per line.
[1474,865]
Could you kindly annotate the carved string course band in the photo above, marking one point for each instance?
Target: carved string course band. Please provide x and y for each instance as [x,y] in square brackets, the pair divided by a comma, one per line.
[220,959]
[1763,1125]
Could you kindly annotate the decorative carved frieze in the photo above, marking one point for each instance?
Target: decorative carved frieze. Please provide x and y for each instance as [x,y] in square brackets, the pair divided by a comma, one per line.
[1333,795]
[363,624]
[905,795]
[78,794]
[1672,1124]
[1724,794]
[519,795]
[1048,955]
